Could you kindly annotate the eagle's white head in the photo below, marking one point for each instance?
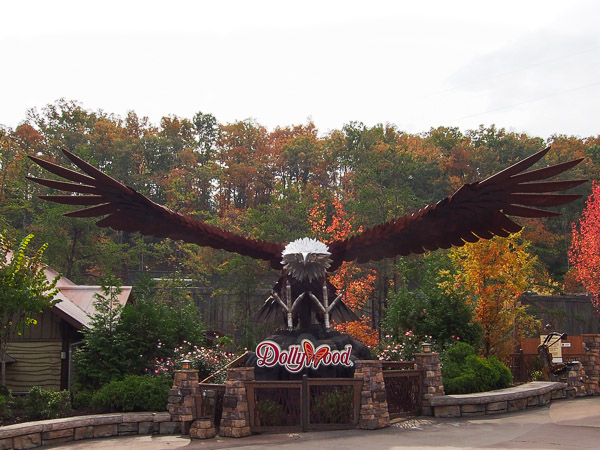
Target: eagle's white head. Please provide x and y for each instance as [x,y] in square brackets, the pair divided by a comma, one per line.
[306,259]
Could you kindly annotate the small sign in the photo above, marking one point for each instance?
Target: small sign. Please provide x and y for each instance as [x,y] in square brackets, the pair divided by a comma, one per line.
[298,357]
[555,349]
[565,344]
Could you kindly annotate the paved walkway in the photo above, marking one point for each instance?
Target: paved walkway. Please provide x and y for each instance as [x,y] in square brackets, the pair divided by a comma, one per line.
[563,425]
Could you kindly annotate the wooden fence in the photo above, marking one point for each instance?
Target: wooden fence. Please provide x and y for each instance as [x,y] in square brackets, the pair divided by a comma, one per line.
[309,404]
[523,366]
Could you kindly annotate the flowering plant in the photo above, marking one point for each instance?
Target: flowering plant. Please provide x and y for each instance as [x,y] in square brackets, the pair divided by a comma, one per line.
[400,348]
[207,360]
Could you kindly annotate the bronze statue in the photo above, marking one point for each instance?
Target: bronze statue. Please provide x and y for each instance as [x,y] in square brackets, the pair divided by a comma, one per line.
[476,211]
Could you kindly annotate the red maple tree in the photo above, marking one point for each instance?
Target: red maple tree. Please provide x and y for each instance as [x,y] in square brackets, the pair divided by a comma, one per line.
[584,253]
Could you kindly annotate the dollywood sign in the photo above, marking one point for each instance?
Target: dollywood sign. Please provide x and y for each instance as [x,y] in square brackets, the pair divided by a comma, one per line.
[300,356]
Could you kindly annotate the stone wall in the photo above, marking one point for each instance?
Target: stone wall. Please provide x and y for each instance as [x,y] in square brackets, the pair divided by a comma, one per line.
[591,363]
[534,394]
[59,431]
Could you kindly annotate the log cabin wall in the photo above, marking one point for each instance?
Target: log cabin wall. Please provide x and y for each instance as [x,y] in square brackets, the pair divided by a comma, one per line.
[41,354]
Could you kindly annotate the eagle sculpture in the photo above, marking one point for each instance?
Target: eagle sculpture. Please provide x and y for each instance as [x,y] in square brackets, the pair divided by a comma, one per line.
[479,210]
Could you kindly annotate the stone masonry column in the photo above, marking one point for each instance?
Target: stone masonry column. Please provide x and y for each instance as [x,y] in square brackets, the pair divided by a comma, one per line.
[181,404]
[429,364]
[591,363]
[373,404]
[235,420]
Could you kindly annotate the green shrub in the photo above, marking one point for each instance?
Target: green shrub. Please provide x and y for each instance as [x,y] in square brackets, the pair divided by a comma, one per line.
[46,404]
[537,375]
[82,399]
[505,377]
[129,340]
[333,406]
[454,358]
[134,393]
[464,372]
[6,403]
[269,413]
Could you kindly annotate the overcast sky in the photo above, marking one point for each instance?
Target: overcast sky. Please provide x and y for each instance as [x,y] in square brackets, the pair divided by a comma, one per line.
[528,66]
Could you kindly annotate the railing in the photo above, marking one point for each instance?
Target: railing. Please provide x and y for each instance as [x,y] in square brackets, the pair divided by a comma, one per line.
[398,365]
[312,403]
[522,366]
[238,362]
[403,388]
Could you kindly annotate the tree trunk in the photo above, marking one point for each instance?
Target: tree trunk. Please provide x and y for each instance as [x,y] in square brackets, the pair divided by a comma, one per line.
[3,346]
[71,260]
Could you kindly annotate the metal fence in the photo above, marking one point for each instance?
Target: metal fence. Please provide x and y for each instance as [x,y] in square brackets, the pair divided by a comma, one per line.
[403,388]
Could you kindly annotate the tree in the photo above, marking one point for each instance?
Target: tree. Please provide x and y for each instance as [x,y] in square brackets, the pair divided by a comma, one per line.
[584,253]
[423,307]
[355,282]
[492,275]
[99,360]
[24,292]
[130,339]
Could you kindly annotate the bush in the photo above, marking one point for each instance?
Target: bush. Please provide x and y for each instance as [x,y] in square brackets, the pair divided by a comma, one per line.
[206,360]
[333,406]
[134,393]
[421,304]
[505,377]
[82,399]
[269,413]
[46,404]
[128,340]
[400,348]
[6,403]
[464,372]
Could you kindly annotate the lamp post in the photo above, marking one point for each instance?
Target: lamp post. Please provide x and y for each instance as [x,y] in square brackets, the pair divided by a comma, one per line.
[426,347]
[186,364]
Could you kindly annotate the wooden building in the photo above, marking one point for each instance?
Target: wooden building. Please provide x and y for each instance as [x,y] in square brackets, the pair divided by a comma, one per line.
[573,314]
[42,355]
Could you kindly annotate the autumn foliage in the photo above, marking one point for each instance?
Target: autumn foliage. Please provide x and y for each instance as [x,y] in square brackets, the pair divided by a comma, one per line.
[356,283]
[584,253]
[262,183]
[360,330]
[492,274]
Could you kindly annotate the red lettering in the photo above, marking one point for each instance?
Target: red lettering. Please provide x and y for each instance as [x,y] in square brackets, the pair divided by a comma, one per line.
[294,359]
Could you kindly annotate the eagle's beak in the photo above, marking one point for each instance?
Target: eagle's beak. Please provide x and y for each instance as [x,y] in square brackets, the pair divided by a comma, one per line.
[304,257]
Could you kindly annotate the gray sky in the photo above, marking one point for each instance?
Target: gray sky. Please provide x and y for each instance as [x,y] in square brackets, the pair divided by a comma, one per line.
[528,66]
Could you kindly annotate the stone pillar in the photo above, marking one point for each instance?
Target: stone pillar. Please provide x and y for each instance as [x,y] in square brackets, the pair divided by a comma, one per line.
[235,420]
[182,404]
[576,380]
[429,365]
[591,363]
[203,429]
[373,404]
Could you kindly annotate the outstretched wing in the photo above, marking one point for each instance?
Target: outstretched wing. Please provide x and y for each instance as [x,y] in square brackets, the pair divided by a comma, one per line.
[127,210]
[476,211]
